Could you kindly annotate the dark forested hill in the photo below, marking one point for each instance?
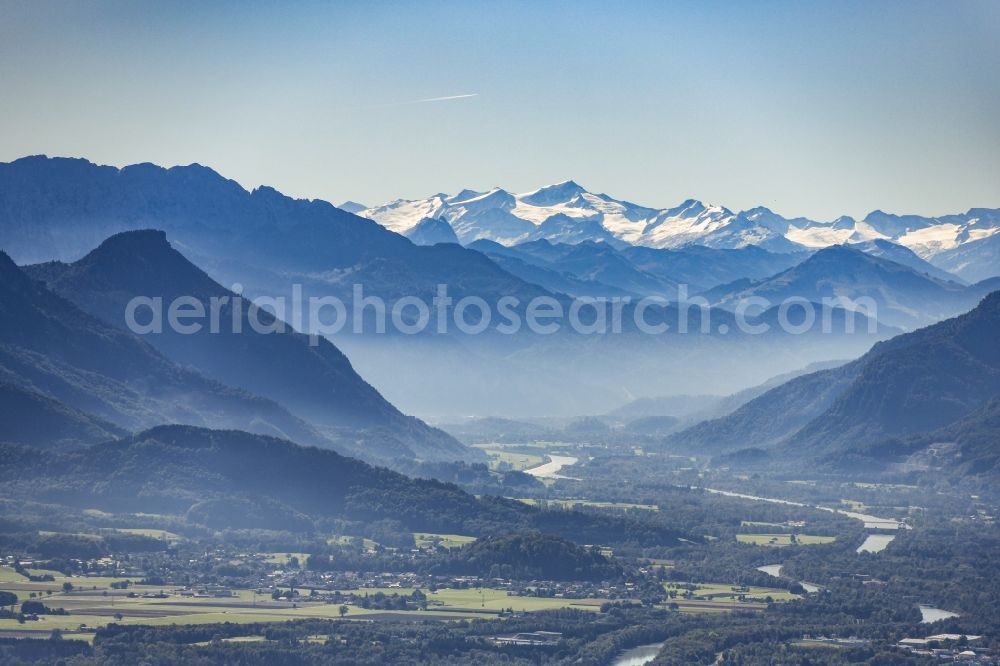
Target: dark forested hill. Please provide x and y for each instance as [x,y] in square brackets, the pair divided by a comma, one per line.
[51,347]
[914,383]
[309,376]
[28,417]
[970,445]
[771,417]
[236,479]
[531,556]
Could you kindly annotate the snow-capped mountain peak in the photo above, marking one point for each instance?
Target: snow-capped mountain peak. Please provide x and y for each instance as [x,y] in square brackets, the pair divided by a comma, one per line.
[553,194]
[465,195]
[567,212]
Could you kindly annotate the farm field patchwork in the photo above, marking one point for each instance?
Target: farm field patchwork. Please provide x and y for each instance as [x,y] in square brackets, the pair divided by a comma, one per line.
[784,539]
[151,532]
[94,604]
[283,559]
[428,539]
[343,540]
[752,595]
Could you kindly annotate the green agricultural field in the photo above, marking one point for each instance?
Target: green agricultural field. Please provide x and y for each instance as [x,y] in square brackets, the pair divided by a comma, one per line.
[783,539]
[8,575]
[517,461]
[44,572]
[574,503]
[429,539]
[82,535]
[151,532]
[96,608]
[367,544]
[694,609]
[17,583]
[726,592]
[498,599]
[450,600]
[282,559]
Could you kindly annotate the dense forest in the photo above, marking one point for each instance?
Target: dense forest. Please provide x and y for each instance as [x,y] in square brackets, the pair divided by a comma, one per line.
[237,480]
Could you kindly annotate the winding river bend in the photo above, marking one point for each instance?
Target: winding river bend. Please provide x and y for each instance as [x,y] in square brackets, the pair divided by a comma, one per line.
[550,470]
[775,570]
[871,522]
[638,656]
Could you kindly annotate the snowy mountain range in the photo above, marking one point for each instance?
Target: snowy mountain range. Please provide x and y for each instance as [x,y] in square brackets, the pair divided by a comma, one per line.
[965,244]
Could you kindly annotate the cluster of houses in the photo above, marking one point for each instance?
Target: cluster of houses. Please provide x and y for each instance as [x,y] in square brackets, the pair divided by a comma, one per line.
[208,591]
[949,647]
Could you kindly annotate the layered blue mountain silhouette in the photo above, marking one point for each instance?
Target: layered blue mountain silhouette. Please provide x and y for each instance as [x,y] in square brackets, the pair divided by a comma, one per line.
[55,209]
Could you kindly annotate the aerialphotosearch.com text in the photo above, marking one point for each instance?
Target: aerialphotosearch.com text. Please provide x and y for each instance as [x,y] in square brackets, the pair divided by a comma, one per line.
[321,316]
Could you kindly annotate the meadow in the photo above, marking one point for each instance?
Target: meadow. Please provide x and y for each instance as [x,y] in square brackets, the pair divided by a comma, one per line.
[430,539]
[784,539]
[575,503]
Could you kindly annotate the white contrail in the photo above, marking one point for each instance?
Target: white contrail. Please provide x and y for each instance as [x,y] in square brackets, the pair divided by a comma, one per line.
[426,100]
[441,99]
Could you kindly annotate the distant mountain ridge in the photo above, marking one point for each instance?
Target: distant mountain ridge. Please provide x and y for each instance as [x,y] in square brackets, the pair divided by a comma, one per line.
[880,247]
[964,243]
[61,208]
[595,268]
[694,408]
[904,297]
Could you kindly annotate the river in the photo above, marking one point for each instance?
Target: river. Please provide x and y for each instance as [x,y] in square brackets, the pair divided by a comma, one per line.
[638,656]
[930,614]
[775,570]
[876,543]
[550,470]
[771,569]
[871,522]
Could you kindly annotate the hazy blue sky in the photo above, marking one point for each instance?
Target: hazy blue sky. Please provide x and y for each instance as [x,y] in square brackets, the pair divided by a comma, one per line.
[809,108]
